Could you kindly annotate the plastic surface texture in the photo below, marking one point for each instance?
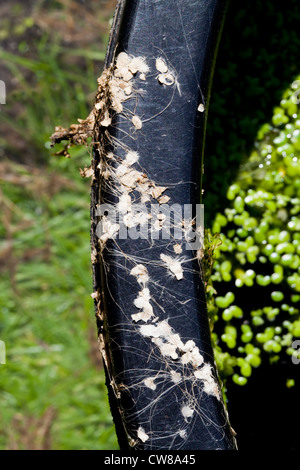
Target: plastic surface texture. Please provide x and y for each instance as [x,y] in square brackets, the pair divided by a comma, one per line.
[154,408]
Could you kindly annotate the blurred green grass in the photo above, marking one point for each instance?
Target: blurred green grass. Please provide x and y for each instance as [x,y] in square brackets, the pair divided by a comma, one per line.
[52,390]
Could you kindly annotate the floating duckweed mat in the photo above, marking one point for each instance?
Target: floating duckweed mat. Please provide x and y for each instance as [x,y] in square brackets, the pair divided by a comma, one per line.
[254,291]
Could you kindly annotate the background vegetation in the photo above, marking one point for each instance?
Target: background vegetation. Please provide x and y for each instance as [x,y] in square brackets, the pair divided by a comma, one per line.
[52,391]
[252,200]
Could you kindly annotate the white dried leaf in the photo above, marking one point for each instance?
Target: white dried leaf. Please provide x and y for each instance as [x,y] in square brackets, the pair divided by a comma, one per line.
[130,179]
[136,121]
[143,299]
[123,60]
[124,204]
[157,191]
[122,169]
[106,174]
[86,172]
[158,224]
[138,64]
[141,218]
[139,270]
[106,121]
[166,349]
[128,220]
[142,435]
[109,229]
[192,357]
[117,106]
[177,249]
[187,411]
[189,345]
[161,329]
[131,158]
[175,376]
[211,388]
[149,382]
[164,200]
[160,65]
[123,73]
[174,265]
[99,105]
[141,316]
[141,274]
[176,340]
[128,90]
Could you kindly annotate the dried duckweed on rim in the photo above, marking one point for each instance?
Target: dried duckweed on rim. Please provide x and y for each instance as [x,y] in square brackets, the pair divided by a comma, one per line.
[187,412]
[131,158]
[164,199]
[180,360]
[174,265]
[149,382]
[114,88]
[157,191]
[106,121]
[136,121]
[142,435]
[87,172]
[160,65]
[138,64]
[177,249]
[123,60]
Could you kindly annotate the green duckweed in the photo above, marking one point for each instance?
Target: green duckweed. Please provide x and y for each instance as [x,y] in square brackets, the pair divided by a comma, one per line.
[257,272]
